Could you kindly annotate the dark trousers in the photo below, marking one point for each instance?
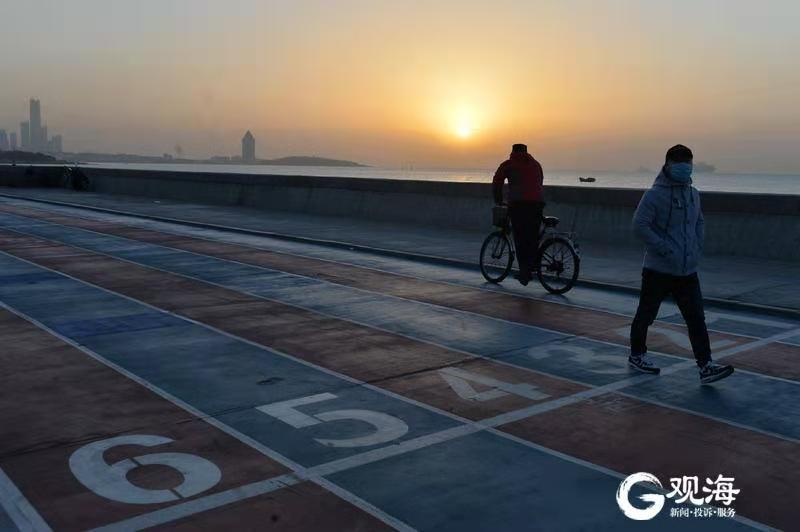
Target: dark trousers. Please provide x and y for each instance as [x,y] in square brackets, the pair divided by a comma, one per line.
[686,291]
[526,218]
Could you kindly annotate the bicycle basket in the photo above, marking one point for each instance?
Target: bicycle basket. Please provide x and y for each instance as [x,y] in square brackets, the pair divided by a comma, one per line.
[500,215]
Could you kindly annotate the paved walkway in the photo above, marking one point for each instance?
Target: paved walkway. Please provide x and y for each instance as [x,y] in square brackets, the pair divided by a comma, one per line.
[742,279]
[156,375]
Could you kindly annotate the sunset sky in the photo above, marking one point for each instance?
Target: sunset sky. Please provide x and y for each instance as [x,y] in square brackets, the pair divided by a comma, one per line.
[587,84]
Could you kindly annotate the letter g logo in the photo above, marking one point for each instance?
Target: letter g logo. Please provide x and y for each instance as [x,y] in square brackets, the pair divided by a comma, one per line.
[625,505]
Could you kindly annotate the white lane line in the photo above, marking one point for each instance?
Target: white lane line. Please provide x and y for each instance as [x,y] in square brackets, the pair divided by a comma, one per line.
[19,509]
[202,504]
[712,417]
[223,237]
[263,449]
[630,381]
[468,427]
[344,464]
[682,364]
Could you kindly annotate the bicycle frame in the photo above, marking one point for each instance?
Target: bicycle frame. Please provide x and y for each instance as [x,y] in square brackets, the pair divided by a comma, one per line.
[544,231]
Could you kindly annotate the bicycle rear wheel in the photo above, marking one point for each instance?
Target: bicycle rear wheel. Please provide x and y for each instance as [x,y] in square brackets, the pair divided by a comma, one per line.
[496,257]
[559,265]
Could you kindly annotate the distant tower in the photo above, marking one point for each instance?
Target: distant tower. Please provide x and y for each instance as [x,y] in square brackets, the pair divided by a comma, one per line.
[25,133]
[3,140]
[36,140]
[43,143]
[57,144]
[12,140]
[248,147]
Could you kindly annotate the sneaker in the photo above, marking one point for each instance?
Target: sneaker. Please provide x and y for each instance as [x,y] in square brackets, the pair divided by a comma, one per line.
[712,372]
[639,362]
[523,280]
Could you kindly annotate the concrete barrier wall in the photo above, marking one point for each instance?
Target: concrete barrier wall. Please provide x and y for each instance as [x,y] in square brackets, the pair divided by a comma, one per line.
[30,176]
[757,225]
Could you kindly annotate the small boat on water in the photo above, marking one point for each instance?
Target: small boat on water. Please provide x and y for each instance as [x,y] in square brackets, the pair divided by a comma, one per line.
[587,179]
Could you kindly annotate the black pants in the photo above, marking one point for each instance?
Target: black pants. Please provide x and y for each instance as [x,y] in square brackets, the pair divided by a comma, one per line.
[526,218]
[686,291]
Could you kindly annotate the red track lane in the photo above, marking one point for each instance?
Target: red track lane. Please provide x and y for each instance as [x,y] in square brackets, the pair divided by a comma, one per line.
[304,507]
[778,360]
[628,435]
[63,400]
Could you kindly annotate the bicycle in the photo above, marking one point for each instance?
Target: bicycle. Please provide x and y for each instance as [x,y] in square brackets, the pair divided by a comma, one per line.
[558,258]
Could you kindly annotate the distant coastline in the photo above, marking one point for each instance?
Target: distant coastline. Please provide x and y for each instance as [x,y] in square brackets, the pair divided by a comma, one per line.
[295,160]
[25,157]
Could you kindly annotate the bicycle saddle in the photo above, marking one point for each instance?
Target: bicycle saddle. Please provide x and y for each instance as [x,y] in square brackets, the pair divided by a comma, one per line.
[550,221]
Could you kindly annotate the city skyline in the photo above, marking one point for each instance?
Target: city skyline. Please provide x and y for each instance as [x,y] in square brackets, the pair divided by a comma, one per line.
[33,133]
[586,85]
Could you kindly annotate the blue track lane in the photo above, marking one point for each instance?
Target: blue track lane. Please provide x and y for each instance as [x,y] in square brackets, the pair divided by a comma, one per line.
[6,524]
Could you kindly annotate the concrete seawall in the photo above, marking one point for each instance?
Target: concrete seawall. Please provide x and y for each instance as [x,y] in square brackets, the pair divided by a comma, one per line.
[755,225]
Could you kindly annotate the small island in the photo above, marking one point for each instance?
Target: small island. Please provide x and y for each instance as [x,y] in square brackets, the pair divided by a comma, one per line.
[704,168]
[91,157]
[294,160]
[301,160]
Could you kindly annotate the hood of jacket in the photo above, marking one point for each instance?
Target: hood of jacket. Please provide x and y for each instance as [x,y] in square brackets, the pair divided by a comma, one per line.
[669,222]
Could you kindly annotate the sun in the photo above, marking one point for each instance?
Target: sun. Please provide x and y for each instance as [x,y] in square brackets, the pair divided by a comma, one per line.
[462,122]
[464,131]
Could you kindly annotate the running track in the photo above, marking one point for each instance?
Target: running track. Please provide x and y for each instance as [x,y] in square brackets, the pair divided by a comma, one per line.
[300,387]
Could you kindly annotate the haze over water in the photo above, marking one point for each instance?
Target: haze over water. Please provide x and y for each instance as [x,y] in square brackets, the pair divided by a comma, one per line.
[759,183]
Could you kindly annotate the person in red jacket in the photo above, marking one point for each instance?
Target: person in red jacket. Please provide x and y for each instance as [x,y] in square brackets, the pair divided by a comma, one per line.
[525,204]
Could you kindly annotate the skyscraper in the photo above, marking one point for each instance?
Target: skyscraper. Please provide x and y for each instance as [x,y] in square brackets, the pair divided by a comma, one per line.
[25,133]
[37,141]
[12,141]
[248,147]
[55,144]
[3,140]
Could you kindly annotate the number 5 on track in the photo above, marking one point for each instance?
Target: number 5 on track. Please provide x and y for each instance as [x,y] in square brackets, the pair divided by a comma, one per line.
[385,427]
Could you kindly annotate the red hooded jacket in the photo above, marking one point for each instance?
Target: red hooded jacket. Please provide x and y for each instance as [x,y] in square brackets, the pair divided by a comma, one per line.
[524,175]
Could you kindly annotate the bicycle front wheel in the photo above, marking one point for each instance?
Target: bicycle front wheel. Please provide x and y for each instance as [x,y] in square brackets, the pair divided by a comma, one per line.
[496,257]
[559,265]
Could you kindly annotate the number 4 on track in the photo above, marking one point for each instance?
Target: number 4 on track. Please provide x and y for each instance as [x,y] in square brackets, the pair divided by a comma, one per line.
[459,380]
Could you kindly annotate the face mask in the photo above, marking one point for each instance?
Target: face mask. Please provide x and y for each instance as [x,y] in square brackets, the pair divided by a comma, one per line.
[680,172]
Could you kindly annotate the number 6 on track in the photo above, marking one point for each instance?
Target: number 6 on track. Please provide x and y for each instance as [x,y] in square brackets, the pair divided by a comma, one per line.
[110,480]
